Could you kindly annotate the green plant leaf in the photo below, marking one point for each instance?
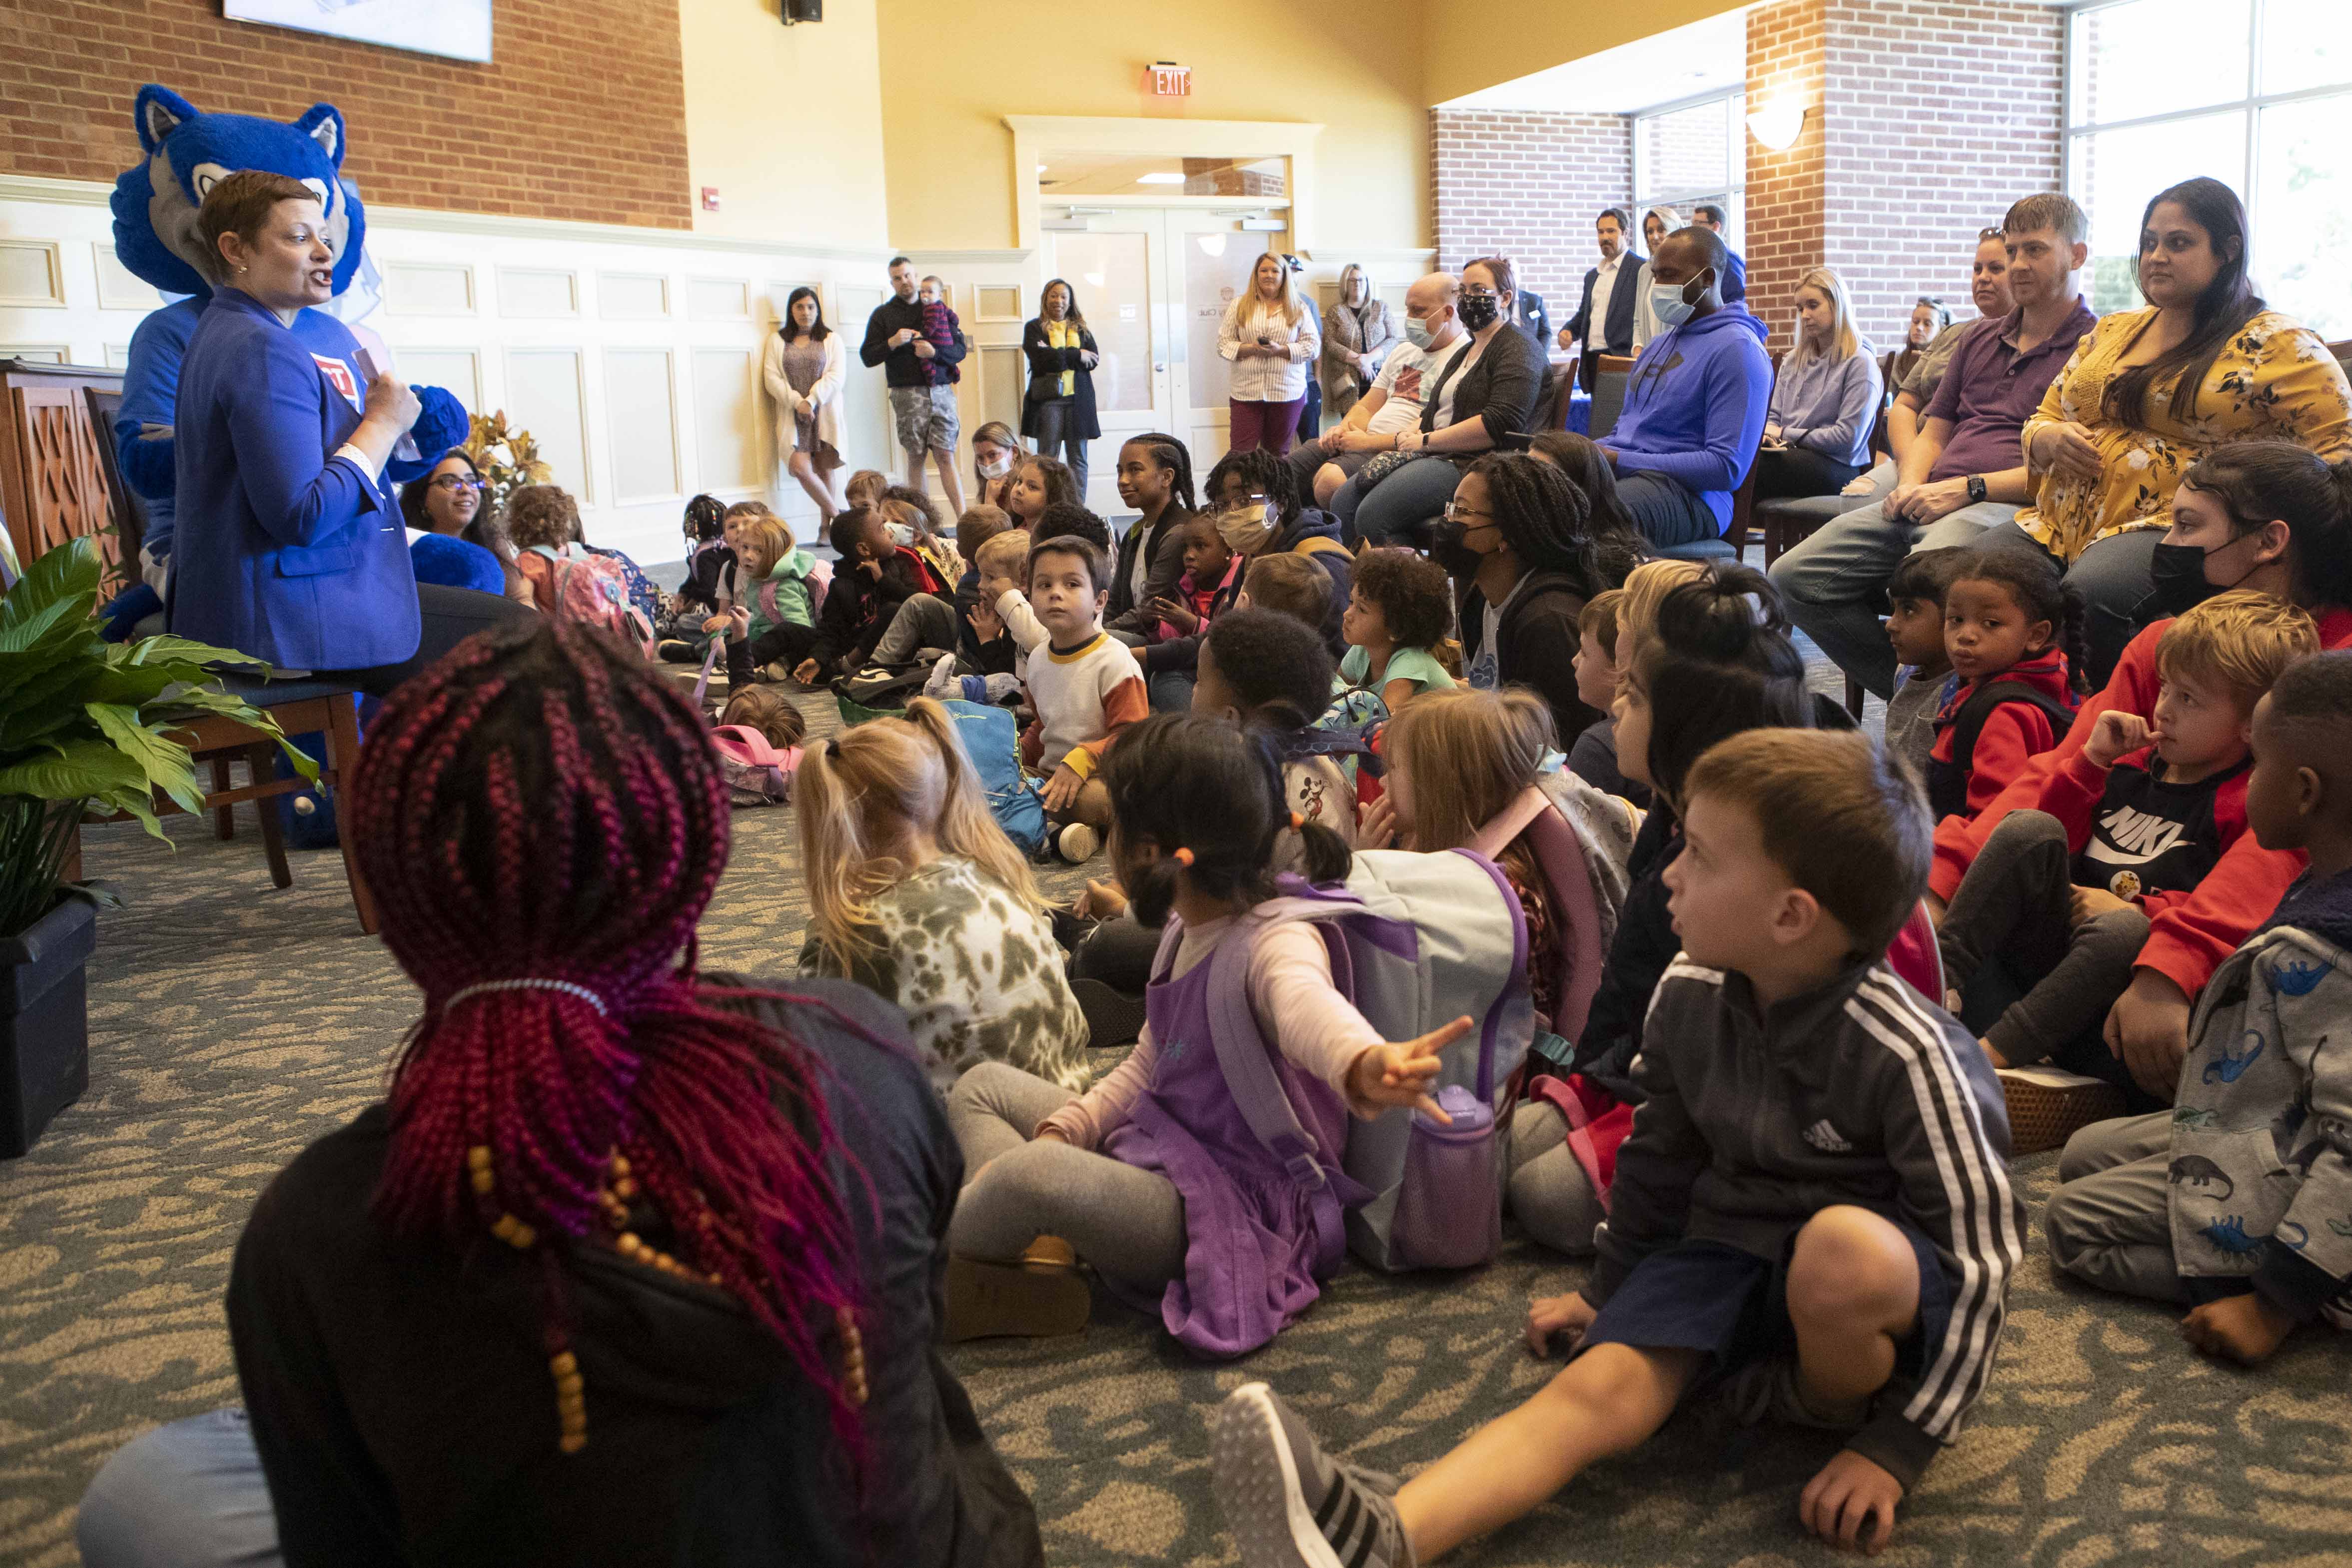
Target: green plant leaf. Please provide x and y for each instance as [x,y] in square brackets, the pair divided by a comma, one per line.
[136,802]
[165,763]
[65,577]
[80,768]
[156,649]
[211,700]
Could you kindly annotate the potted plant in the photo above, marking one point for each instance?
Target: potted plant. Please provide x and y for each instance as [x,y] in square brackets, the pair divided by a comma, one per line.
[84,726]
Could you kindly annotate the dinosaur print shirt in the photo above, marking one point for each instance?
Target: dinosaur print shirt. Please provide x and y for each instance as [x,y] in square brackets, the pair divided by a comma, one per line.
[977,972]
[2261,1128]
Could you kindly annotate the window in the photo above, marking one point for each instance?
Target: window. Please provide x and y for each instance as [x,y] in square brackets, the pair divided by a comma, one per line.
[2255,93]
[1692,152]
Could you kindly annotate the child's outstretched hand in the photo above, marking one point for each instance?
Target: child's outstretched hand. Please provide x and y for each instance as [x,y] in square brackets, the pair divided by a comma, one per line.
[1547,1315]
[1387,1075]
[1101,900]
[2245,1328]
[1844,1502]
[2116,735]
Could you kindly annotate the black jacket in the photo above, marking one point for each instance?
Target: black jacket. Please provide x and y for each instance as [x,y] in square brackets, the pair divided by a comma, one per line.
[1534,318]
[859,608]
[1617,332]
[404,1411]
[905,366]
[1536,645]
[1046,365]
[1860,1092]
[1500,389]
[1645,943]
[1166,543]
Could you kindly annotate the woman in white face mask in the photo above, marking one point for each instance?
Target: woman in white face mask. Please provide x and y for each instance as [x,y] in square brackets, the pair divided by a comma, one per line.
[995,452]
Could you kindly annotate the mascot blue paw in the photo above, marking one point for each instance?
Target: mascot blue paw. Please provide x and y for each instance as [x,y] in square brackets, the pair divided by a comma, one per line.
[442,425]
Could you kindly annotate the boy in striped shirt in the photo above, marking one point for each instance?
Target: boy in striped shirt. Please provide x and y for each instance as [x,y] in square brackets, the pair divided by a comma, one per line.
[1811,1219]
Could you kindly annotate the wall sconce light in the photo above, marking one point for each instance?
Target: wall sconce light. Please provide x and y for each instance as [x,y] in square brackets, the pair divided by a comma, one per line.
[1777,124]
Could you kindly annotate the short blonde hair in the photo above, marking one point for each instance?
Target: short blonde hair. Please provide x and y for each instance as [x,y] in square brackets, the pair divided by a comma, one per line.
[1469,755]
[1646,587]
[872,480]
[1005,554]
[770,537]
[1842,816]
[2241,639]
[542,515]
[765,709]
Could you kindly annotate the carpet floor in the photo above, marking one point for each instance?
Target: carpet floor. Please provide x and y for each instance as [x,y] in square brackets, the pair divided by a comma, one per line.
[232,1023]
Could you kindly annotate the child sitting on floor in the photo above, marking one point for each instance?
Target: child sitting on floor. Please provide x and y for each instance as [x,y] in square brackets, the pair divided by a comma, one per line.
[866,486]
[916,893]
[2062,893]
[773,623]
[2234,1203]
[1916,630]
[1069,520]
[1208,581]
[1810,1220]
[918,522]
[2011,625]
[1269,673]
[774,715]
[1038,483]
[875,578]
[1290,585]
[1083,683]
[1399,607]
[1592,756]
[1153,1176]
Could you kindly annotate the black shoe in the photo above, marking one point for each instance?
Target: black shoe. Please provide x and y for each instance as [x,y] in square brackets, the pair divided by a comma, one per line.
[1113,1018]
[678,650]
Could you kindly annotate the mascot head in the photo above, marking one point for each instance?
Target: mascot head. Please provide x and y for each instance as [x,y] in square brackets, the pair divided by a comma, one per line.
[187,152]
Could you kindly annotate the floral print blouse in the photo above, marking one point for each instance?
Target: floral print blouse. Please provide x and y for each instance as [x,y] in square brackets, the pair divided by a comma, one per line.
[2273,381]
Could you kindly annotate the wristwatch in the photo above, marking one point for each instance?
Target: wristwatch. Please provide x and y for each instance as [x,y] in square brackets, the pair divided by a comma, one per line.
[1976,487]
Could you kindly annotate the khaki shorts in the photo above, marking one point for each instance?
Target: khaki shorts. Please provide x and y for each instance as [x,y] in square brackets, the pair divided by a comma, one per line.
[926,417]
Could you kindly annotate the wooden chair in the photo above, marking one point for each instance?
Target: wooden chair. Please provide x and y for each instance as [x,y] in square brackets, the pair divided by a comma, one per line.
[125,511]
[1742,532]
[1560,392]
[1611,377]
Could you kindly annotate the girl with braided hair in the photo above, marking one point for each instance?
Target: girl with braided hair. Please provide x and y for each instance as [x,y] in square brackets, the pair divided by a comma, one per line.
[1155,477]
[1517,538]
[633,1265]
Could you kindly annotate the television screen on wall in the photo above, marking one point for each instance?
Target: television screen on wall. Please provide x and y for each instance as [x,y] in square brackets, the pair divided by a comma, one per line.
[457,29]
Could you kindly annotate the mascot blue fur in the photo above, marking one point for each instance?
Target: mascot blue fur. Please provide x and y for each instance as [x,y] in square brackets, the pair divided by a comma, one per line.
[186,154]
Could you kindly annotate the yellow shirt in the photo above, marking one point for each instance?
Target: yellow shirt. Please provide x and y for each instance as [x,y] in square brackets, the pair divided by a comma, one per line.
[1063,335]
[2273,381]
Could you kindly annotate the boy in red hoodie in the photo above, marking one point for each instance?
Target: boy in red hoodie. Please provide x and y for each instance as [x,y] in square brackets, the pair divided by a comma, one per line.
[2009,623]
[2127,827]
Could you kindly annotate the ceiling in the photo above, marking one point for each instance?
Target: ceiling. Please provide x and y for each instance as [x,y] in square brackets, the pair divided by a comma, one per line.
[1689,61]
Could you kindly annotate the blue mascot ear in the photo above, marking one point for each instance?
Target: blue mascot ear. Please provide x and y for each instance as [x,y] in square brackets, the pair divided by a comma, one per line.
[156,111]
[324,124]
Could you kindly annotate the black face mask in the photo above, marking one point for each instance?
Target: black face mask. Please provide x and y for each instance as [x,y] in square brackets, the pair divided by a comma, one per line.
[1478,311]
[1449,546]
[2180,574]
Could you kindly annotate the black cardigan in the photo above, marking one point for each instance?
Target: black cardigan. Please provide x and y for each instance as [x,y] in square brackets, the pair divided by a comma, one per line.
[1500,389]
[1537,644]
[1125,613]
[1046,365]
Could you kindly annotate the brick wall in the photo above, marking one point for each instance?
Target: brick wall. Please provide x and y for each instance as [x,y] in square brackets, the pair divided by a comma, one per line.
[1528,186]
[580,115]
[1926,118]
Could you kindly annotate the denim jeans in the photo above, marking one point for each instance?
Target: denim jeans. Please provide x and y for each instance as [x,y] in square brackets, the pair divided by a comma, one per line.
[189,1495]
[1666,510]
[1394,511]
[1054,421]
[1835,582]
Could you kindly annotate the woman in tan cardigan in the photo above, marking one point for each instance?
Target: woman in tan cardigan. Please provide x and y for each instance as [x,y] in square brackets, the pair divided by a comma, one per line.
[1358,333]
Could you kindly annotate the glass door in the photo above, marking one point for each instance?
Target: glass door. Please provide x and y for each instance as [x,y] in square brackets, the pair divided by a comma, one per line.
[1154,285]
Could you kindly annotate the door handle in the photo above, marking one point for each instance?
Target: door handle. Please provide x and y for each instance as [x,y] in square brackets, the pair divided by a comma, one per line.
[1158,369]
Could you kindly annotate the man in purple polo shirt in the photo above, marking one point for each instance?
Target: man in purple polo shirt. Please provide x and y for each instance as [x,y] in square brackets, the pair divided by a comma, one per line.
[1964,472]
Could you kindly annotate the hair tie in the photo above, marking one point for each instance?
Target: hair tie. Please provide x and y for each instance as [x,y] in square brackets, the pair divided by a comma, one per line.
[484,987]
[1756,611]
[832,747]
[1182,857]
[1296,821]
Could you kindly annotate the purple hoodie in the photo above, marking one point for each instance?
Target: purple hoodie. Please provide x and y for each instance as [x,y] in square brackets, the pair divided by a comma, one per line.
[1694,408]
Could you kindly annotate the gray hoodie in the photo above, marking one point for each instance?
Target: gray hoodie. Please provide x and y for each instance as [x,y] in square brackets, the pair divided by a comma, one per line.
[1860,1092]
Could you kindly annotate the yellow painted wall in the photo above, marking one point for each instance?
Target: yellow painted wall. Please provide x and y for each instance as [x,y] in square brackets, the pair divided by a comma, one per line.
[786,122]
[952,71]
[1471,45]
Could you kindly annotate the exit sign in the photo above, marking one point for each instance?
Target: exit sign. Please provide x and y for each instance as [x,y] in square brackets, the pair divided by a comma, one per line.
[1169,80]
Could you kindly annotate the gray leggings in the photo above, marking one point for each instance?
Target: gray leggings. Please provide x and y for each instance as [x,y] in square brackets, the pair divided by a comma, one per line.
[1551,1195]
[1126,1221]
[924,622]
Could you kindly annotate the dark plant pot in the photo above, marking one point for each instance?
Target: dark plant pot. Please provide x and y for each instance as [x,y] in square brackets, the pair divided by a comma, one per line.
[44,1021]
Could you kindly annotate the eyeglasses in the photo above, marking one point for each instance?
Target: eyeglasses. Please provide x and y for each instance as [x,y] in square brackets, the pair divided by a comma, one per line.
[452,483]
[1995,232]
[1455,512]
[1480,294]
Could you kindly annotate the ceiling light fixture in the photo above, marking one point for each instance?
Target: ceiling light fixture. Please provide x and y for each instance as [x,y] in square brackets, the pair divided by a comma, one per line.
[1160,177]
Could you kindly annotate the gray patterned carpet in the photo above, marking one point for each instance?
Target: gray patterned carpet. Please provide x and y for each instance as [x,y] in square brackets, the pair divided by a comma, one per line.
[233,1024]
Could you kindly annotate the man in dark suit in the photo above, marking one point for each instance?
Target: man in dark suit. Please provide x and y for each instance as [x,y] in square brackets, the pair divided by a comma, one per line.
[1604,323]
[1534,317]
[1707,214]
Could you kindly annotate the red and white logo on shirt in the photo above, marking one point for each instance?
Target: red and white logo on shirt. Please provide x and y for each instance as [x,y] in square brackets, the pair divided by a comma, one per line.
[339,376]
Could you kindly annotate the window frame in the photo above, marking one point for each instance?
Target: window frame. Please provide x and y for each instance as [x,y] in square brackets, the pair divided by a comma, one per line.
[2248,106]
[1734,197]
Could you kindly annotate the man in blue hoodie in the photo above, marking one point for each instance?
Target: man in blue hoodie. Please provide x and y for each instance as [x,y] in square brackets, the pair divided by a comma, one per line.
[1694,406]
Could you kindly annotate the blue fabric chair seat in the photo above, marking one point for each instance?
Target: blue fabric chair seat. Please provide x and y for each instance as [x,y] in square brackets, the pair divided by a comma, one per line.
[278,693]
[1698,550]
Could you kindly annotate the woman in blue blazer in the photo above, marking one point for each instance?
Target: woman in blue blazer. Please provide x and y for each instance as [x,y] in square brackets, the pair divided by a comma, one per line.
[290,546]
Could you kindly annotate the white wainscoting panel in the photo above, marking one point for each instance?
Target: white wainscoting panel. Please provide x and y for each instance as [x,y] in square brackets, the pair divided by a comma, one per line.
[719,299]
[39,354]
[633,295]
[1002,375]
[429,288]
[729,445]
[32,274]
[538,291]
[866,406]
[119,289]
[118,354]
[641,416]
[546,395]
[457,371]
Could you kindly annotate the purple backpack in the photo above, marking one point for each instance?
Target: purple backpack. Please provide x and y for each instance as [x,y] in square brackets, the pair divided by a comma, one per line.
[1416,941]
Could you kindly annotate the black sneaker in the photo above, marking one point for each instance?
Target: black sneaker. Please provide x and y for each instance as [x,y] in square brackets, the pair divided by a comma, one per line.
[1289,1504]
[677,650]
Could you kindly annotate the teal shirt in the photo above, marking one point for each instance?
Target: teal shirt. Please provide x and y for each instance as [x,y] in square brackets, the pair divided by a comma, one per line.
[1417,665]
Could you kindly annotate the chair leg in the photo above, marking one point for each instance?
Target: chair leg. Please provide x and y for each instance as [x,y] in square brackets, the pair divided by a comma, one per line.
[273,825]
[1853,697]
[224,817]
[342,755]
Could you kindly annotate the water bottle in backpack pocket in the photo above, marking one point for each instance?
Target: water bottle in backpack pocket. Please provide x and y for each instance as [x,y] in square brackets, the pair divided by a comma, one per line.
[1451,1184]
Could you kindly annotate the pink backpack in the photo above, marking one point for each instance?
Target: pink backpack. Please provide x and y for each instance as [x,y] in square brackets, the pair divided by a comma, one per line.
[757,773]
[592,589]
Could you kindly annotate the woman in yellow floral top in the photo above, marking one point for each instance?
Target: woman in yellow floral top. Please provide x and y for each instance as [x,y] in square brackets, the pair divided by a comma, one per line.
[2149,391]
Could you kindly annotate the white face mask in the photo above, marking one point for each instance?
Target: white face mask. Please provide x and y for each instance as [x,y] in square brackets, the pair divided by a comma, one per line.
[996,469]
[899,533]
[1666,301]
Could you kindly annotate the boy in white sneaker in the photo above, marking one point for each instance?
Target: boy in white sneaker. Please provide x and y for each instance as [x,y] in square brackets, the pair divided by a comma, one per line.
[1810,1218]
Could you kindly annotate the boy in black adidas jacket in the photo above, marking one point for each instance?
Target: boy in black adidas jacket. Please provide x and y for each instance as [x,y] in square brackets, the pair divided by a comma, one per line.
[1810,1218]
